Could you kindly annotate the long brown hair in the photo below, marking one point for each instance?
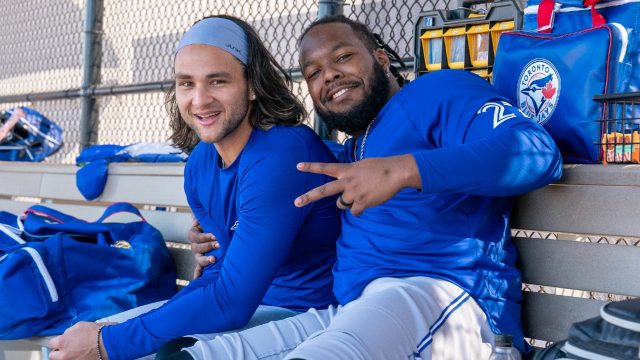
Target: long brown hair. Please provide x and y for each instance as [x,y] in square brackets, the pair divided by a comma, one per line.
[275,104]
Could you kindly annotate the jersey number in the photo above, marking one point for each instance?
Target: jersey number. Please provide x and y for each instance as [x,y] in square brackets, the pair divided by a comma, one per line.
[498,112]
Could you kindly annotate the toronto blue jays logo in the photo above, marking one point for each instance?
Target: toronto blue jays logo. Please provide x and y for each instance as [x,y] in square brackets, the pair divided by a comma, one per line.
[539,90]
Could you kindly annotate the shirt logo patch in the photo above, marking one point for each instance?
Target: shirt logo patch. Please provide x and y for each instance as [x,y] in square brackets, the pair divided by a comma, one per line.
[234,226]
[539,90]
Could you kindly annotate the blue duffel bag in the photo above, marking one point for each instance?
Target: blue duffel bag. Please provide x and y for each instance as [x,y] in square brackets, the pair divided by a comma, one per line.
[56,270]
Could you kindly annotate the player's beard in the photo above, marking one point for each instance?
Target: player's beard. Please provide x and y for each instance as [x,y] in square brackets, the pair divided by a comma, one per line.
[360,116]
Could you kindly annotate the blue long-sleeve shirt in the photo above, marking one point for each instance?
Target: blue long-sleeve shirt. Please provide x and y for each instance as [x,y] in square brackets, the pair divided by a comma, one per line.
[473,151]
[270,251]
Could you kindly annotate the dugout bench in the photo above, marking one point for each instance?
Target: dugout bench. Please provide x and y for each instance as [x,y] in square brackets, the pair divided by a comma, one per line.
[599,203]
[568,277]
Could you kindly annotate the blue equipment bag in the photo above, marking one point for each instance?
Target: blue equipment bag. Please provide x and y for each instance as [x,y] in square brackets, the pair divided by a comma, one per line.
[33,137]
[565,16]
[572,36]
[560,17]
[553,79]
[56,270]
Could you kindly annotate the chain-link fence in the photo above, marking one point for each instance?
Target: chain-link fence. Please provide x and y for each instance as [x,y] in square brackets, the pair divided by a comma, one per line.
[42,55]
[40,51]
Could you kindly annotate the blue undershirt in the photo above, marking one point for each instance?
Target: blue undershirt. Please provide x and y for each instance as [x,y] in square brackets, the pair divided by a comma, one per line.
[270,251]
[474,151]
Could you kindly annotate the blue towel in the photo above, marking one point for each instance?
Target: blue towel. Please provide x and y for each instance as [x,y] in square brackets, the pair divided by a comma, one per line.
[94,161]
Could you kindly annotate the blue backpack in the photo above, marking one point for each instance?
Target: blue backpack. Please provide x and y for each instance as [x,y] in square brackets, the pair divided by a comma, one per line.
[56,270]
[33,137]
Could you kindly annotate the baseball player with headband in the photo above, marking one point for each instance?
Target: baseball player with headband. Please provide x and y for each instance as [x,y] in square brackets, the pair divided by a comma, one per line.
[232,102]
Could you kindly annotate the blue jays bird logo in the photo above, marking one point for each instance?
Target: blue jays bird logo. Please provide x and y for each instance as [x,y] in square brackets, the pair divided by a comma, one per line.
[539,90]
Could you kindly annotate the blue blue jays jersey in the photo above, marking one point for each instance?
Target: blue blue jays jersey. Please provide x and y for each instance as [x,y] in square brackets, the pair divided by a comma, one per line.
[271,252]
[473,150]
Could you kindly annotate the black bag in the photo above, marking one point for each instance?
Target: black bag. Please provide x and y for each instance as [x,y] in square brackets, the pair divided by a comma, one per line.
[615,334]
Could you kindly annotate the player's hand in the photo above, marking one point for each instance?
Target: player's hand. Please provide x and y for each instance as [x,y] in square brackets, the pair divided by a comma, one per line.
[78,342]
[201,243]
[362,184]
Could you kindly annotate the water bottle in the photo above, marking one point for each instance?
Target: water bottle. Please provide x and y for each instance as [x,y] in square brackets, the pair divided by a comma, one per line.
[503,349]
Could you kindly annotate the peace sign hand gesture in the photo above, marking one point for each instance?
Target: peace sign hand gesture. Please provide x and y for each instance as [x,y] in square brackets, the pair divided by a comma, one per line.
[362,184]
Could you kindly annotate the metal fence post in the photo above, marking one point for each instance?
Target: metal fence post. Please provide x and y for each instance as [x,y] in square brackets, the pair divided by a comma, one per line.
[326,8]
[92,58]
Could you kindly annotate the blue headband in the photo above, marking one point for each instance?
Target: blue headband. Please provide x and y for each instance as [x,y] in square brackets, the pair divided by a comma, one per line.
[221,33]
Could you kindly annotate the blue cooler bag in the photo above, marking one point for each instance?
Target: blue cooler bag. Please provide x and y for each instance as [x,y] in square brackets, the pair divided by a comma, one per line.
[56,270]
[553,79]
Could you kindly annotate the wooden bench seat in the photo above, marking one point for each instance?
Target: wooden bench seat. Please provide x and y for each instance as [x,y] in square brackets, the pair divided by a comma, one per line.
[587,226]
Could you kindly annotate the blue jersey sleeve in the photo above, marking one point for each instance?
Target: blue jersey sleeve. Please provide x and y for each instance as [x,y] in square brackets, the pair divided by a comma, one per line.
[497,151]
[199,212]
[206,224]
[268,223]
